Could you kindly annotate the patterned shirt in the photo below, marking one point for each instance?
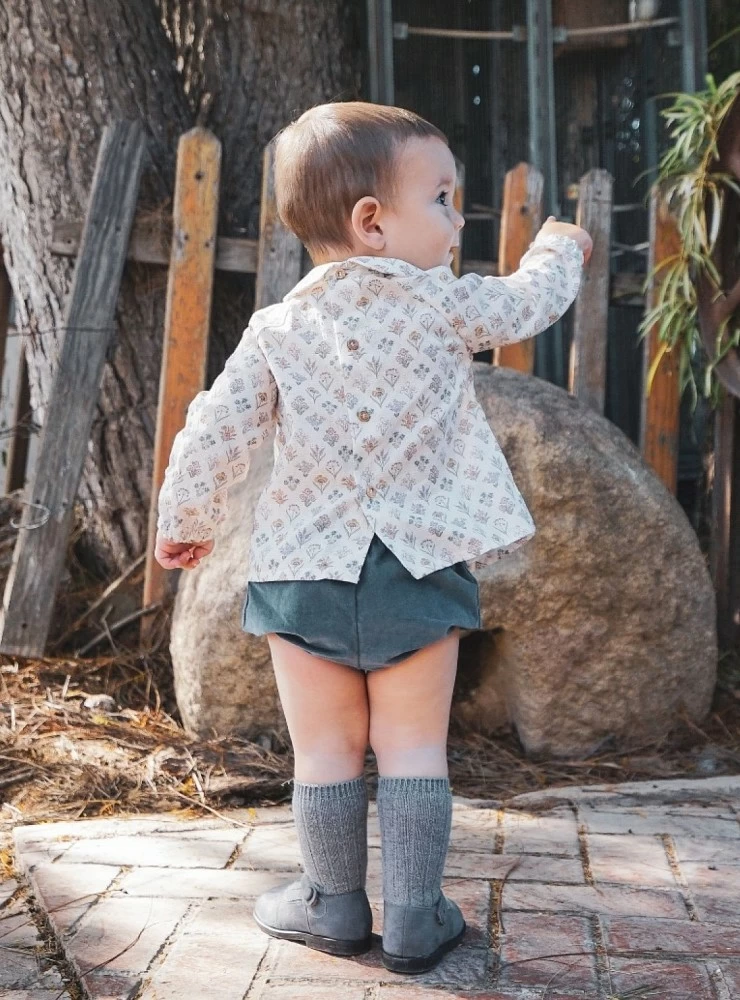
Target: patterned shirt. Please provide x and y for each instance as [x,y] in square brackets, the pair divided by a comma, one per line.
[364,372]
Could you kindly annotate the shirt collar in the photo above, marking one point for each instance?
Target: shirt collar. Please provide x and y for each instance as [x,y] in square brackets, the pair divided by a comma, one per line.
[388,266]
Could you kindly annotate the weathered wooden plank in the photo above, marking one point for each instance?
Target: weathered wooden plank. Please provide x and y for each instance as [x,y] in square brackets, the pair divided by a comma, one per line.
[13,443]
[19,444]
[15,401]
[659,417]
[187,320]
[280,253]
[587,376]
[5,295]
[728,625]
[521,217]
[39,552]
[151,240]
[458,201]
[725,506]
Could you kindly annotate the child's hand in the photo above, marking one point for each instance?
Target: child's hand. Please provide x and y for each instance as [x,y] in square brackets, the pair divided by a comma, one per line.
[180,555]
[554,228]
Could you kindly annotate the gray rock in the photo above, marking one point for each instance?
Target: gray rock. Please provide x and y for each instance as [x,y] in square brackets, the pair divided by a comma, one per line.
[100,703]
[224,681]
[602,628]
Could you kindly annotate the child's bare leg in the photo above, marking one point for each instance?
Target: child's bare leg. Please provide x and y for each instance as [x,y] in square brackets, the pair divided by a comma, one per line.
[326,708]
[410,711]
[409,720]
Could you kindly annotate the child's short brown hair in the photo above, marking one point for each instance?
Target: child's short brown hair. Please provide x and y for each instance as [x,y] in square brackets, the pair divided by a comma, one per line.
[332,156]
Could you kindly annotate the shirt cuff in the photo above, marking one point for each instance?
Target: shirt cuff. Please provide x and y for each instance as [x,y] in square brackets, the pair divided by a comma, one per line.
[563,245]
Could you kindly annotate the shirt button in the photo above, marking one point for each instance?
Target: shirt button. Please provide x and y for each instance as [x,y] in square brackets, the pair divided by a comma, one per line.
[353,344]
[364,416]
[370,491]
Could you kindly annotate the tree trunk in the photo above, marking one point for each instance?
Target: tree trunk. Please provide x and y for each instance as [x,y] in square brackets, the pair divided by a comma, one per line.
[69,67]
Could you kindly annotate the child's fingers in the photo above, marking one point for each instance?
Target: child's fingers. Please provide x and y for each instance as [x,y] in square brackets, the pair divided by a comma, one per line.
[168,561]
[178,560]
[185,558]
[192,556]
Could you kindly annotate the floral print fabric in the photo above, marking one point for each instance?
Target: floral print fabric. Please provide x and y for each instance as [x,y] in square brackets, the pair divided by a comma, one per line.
[364,372]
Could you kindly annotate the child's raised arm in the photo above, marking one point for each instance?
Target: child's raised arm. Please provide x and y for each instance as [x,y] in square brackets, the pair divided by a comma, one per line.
[211,452]
[492,311]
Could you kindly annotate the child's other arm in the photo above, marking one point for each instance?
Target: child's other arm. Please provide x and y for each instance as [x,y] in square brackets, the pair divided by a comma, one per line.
[211,452]
[491,311]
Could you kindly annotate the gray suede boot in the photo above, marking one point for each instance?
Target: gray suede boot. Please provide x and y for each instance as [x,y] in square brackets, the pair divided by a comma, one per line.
[415,938]
[327,908]
[339,924]
[420,925]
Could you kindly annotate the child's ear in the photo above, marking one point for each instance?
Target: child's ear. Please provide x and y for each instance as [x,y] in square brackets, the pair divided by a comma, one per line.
[366,223]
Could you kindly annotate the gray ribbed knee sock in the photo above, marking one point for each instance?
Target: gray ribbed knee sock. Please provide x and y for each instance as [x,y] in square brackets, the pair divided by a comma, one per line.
[415,820]
[331,821]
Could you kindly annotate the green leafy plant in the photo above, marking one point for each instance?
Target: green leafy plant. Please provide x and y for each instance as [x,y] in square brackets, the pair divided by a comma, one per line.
[696,194]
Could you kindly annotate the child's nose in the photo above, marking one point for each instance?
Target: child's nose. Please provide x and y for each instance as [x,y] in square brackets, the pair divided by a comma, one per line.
[459,220]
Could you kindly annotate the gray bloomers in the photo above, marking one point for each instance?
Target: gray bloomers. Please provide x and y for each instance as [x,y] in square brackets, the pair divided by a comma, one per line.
[382,619]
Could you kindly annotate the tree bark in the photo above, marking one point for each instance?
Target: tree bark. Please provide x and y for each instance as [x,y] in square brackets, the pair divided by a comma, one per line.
[67,68]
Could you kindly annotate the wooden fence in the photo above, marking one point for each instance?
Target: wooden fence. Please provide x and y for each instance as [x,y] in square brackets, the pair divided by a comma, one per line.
[192,251]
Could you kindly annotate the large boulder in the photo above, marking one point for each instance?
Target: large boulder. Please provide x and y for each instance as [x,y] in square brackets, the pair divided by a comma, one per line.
[224,680]
[601,628]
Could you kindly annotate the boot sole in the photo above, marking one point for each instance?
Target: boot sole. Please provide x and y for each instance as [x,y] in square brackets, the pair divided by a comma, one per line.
[332,946]
[394,963]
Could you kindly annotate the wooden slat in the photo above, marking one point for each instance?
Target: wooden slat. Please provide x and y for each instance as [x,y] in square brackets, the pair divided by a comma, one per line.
[5,295]
[14,394]
[280,253]
[41,547]
[725,504]
[186,324]
[659,418]
[521,217]
[20,419]
[587,376]
[151,242]
[458,201]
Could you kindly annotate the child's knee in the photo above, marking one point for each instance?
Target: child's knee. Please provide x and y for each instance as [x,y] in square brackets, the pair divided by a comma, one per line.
[319,765]
[401,760]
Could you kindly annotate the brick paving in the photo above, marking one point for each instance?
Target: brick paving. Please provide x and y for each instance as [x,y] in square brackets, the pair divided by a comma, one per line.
[28,970]
[595,893]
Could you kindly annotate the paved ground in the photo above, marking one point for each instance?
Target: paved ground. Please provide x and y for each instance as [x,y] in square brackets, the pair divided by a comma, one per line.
[620,891]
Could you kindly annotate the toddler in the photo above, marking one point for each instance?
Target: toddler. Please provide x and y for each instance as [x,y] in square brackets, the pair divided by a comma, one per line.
[388,486]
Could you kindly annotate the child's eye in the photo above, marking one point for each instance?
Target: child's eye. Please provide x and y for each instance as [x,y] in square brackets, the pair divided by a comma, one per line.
[443,196]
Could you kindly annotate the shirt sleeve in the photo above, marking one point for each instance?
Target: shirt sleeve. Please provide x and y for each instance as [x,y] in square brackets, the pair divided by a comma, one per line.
[211,452]
[493,311]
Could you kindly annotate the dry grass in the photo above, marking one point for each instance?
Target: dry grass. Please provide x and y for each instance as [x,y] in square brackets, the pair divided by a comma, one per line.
[60,759]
